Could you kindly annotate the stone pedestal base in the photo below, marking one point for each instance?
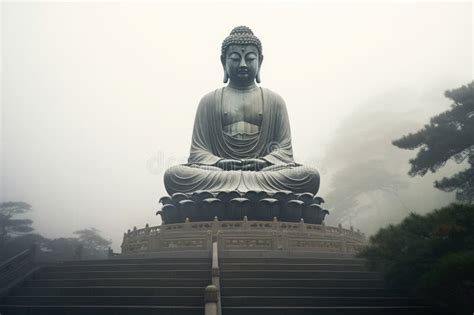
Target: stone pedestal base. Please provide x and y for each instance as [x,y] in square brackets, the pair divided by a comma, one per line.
[243,236]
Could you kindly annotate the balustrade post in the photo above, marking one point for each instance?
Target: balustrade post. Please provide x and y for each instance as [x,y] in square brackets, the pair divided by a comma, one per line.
[147,229]
[275,223]
[215,280]
[246,223]
[210,300]
[302,225]
[215,226]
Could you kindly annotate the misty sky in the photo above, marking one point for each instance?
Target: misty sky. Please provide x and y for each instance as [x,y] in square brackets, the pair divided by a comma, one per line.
[98,99]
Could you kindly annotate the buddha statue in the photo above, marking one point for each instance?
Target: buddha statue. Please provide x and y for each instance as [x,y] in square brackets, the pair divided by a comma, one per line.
[241,137]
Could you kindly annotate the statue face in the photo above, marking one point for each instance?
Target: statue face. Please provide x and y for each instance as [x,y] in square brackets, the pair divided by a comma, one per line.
[242,63]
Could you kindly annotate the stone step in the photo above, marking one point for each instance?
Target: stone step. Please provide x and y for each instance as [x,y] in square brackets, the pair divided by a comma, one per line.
[281,260]
[141,282]
[313,291]
[293,267]
[126,274]
[109,291]
[100,310]
[302,301]
[330,310]
[128,267]
[106,300]
[299,274]
[169,260]
[307,282]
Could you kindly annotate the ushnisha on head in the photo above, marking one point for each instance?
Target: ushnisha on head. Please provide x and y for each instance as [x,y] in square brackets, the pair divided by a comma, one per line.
[241,57]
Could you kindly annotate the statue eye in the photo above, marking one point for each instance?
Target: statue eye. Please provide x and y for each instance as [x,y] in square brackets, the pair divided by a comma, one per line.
[234,57]
[250,57]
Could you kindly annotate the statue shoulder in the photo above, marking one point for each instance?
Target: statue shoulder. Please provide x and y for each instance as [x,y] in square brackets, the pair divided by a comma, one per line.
[275,98]
[208,100]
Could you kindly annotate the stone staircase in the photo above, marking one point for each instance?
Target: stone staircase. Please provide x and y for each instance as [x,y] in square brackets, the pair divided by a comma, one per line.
[308,286]
[325,286]
[135,286]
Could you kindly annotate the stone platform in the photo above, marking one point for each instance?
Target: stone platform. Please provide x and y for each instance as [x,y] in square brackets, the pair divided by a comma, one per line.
[252,238]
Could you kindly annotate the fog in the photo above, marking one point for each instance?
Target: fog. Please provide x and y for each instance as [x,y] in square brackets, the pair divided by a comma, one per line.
[98,99]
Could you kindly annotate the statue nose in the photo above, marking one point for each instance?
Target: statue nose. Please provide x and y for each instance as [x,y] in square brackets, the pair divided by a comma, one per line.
[243,64]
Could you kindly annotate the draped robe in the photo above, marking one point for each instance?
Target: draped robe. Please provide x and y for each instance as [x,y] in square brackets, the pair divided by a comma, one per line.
[211,144]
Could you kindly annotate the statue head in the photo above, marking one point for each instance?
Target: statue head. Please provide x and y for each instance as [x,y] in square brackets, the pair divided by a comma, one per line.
[241,57]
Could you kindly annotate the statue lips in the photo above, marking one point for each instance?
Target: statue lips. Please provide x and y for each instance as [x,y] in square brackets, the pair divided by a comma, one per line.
[243,72]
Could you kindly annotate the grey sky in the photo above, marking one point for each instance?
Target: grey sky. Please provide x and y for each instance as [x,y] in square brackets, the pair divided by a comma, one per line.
[98,99]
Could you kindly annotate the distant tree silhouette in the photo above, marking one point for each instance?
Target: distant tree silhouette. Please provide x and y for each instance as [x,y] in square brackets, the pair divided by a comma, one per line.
[10,226]
[62,248]
[20,243]
[448,136]
[94,245]
[16,236]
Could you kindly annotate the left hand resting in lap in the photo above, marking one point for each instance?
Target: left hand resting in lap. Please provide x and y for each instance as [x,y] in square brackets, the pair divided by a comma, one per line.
[254,164]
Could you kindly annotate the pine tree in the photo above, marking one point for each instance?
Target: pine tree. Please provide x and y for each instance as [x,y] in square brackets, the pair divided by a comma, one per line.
[91,238]
[448,136]
[10,226]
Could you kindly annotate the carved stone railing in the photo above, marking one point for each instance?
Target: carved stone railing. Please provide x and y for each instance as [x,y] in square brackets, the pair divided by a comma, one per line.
[211,300]
[244,234]
[15,268]
[216,274]
[137,240]
[213,292]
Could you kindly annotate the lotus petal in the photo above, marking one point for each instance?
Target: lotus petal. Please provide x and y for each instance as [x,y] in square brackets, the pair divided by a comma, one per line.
[199,196]
[189,209]
[292,211]
[267,209]
[307,198]
[311,214]
[238,208]
[318,200]
[212,207]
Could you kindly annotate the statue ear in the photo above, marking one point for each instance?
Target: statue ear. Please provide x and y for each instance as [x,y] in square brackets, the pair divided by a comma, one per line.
[259,67]
[226,75]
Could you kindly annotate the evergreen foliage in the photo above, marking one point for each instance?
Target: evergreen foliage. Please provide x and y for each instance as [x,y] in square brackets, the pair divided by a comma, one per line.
[16,245]
[92,239]
[10,225]
[432,255]
[16,236]
[94,246]
[448,136]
